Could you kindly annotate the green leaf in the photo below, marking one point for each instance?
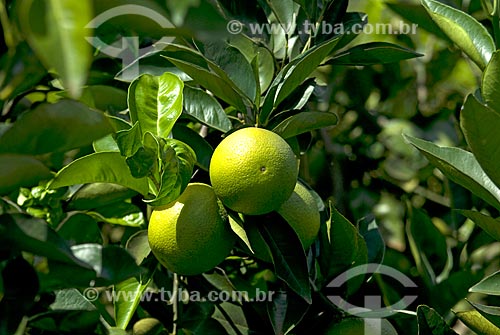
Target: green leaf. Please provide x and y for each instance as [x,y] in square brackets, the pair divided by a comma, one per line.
[122,213]
[238,228]
[20,171]
[478,323]
[288,256]
[129,140]
[24,233]
[486,222]
[339,244]
[285,311]
[431,323]
[490,84]
[156,102]
[111,263]
[138,246]
[480,125]
[206,109]
[369,230]
[293,74]
[95,195]
[373,53]
[464,30]
[489,285]
[105,167]
[231,64]
[45,129]
[80,228]
[56,31]
[491,313]
[416,13]
[427,245]
[142,163]
[200,146]
[461,167]
[284,11]
[131,292]
[304,122]
[178,161]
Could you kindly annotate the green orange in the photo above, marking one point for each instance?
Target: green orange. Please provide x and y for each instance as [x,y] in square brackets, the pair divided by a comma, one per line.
[253,171]
[191,235]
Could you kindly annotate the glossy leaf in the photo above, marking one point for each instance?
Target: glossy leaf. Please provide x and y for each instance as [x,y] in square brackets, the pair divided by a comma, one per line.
[129,140]
[293,74]
[238,228]
[489,285]
[24,233]
[304,122]
[96,195]
[478,323]
[104,167]
[431,323]
[480,125]
[45,129]
[286,310]
[461,167]
[80,228]
[373,53]
[370,232]
[486,222]
[427,244]
[490,85]
[200,146]
[178,161]
[232,66]
[62,44]
[156,102]
[131,292]
[339,244]
[206,109]
[20,171]
[464,30]
[138,246]
[288,256]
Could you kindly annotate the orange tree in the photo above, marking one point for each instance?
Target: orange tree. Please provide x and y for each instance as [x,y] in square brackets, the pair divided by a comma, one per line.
[93,140]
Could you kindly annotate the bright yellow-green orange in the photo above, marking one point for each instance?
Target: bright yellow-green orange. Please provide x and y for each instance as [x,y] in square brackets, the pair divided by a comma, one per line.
[191,235]
[302,213]
[356,326]
[253,171]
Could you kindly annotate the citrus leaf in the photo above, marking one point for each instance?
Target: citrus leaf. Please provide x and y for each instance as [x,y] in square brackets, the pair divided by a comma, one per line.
[489,285]
[56,31]
[25,233]
[80,228]
[156,102]
[431,323]
[178,161]
[288,256]
[464,30]
[138,246]
[96,195]
[461,167]
[480,125]
[205,108]
[478,323]
[239,230]
[20,171]
[130,292]
[285,311]
[490,85]
[293,74]
[486,222]
[373,53]
[304,122]
[370,232]
[105,167]
[45,129]
[129,140]
[200,146]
